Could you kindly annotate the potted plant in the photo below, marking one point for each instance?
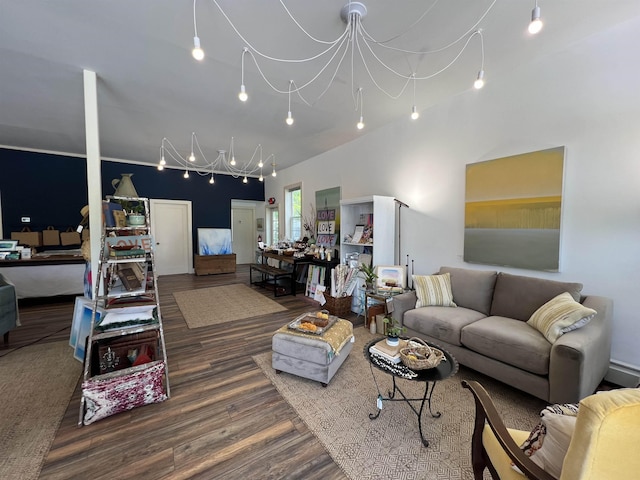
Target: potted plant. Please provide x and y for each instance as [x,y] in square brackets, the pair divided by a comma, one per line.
[394,330]
[369,275]
[134,210]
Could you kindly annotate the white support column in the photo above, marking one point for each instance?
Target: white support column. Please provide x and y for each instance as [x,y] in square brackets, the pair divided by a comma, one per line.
[94,177]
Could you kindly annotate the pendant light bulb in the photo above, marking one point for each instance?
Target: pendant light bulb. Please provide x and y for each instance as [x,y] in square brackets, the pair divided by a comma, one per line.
[243,93]
[536,24]
[414,113]
[479,83]
[233,160]
[244,180]
[260,164]
[192,157]
[273,174]
[163,161]
[360,124]
[197,52]
[289,120]
[261,178]
[211,180]
[186,174]
[160,167]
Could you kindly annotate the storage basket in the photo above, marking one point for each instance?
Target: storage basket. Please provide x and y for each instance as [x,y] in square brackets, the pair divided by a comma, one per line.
[338,306]
[420,356]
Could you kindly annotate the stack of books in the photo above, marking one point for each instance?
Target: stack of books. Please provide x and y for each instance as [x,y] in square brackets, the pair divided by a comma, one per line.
[128,253]
[386,351]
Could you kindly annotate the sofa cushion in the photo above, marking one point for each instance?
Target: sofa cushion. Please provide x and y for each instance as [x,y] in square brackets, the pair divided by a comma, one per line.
[442,323]
[472,288]
[433,290]
[560,315]
[509,341]
[517,296]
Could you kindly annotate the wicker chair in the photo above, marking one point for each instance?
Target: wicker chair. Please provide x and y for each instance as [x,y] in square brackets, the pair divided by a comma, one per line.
[603,445]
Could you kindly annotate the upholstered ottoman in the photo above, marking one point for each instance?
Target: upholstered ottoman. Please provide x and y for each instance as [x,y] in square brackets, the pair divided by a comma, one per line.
[312,356]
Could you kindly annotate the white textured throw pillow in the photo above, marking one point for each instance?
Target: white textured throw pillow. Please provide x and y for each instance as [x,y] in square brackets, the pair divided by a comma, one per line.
[433,290]
[560,315]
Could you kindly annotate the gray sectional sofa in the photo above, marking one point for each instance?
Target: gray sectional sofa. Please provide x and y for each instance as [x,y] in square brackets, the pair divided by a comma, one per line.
[488,332]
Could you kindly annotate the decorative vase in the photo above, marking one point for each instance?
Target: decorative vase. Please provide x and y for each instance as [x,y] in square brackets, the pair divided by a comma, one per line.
[134,220]
[124,186]
[393,341]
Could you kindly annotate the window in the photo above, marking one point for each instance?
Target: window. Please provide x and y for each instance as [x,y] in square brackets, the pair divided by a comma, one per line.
[293,211]
[273,226]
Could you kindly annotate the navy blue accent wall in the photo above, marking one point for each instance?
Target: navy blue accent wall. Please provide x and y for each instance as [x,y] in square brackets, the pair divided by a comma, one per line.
[52,189]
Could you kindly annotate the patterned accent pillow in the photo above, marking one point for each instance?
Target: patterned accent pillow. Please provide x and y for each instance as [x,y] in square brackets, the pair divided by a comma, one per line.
[560,315]
[105,397]
[556,427]
[433,290]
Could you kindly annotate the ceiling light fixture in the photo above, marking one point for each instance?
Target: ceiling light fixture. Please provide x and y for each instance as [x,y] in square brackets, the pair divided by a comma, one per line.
[536,23]
[243,91]
[197,51]
[364,51]
[414,111]
[479,82]
[289,120]
[360,124]
[223,163]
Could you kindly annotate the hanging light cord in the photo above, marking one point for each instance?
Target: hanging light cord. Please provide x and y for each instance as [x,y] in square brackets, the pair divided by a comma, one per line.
[350,36]
[204,167]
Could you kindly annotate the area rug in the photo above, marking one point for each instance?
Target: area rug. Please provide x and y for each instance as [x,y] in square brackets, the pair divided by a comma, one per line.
[389,447]
[211,306]
[37,384]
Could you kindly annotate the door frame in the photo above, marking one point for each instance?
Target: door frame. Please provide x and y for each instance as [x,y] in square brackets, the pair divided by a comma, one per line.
[258,211]
[188,204]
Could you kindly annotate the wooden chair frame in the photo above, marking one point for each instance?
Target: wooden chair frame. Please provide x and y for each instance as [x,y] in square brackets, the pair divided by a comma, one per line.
[486,413]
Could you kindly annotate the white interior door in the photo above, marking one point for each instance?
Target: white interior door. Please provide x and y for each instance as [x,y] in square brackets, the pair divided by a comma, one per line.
[243,234]
[171,229]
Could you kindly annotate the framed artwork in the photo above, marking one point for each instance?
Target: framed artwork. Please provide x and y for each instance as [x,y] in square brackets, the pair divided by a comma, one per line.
[260,224]
[214,241]
[513,210]
[80,326]
[328,217]
[390,278]
[8,245]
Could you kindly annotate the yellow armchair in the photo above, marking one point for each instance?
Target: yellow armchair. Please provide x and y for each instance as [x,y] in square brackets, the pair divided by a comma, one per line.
[603,446]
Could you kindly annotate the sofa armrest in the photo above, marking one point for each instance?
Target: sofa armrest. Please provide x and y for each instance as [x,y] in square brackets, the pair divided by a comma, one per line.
[8,308]
[580,358]
[402,303]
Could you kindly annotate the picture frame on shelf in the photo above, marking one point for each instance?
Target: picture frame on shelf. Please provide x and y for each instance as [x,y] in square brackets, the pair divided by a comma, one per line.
[8,245]
[357,234]
[390,278]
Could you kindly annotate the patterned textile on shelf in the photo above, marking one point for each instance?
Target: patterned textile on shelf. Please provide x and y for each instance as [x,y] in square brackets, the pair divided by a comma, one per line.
[108,396]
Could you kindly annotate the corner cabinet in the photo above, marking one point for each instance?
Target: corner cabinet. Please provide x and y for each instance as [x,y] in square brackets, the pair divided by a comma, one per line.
[125,364]
[375,215]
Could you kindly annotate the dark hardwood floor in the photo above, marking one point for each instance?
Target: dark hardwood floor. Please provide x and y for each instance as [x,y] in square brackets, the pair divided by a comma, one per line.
[224,418]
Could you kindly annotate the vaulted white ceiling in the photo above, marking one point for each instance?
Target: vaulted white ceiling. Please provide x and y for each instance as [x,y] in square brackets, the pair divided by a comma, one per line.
[150,87]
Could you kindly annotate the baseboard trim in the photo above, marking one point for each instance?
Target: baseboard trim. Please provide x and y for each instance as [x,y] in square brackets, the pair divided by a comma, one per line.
[623,375]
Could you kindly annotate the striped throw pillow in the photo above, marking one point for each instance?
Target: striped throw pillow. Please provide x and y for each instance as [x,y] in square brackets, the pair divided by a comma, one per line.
[433,290]
[560,315]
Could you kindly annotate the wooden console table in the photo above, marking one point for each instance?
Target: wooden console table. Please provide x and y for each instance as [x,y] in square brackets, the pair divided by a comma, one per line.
[211,264]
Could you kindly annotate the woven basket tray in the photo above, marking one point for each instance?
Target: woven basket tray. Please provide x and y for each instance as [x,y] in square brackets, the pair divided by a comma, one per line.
[420,356]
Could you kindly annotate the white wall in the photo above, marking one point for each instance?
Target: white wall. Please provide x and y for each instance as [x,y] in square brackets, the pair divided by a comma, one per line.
[585,98]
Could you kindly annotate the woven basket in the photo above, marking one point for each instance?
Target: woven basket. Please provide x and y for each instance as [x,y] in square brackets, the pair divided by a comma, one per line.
[432,356]
[338,306]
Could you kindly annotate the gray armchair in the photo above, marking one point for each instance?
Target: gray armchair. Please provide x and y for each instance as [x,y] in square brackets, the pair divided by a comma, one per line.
[8,308]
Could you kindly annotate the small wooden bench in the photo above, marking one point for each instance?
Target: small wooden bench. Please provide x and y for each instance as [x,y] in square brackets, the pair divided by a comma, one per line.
[272,274]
